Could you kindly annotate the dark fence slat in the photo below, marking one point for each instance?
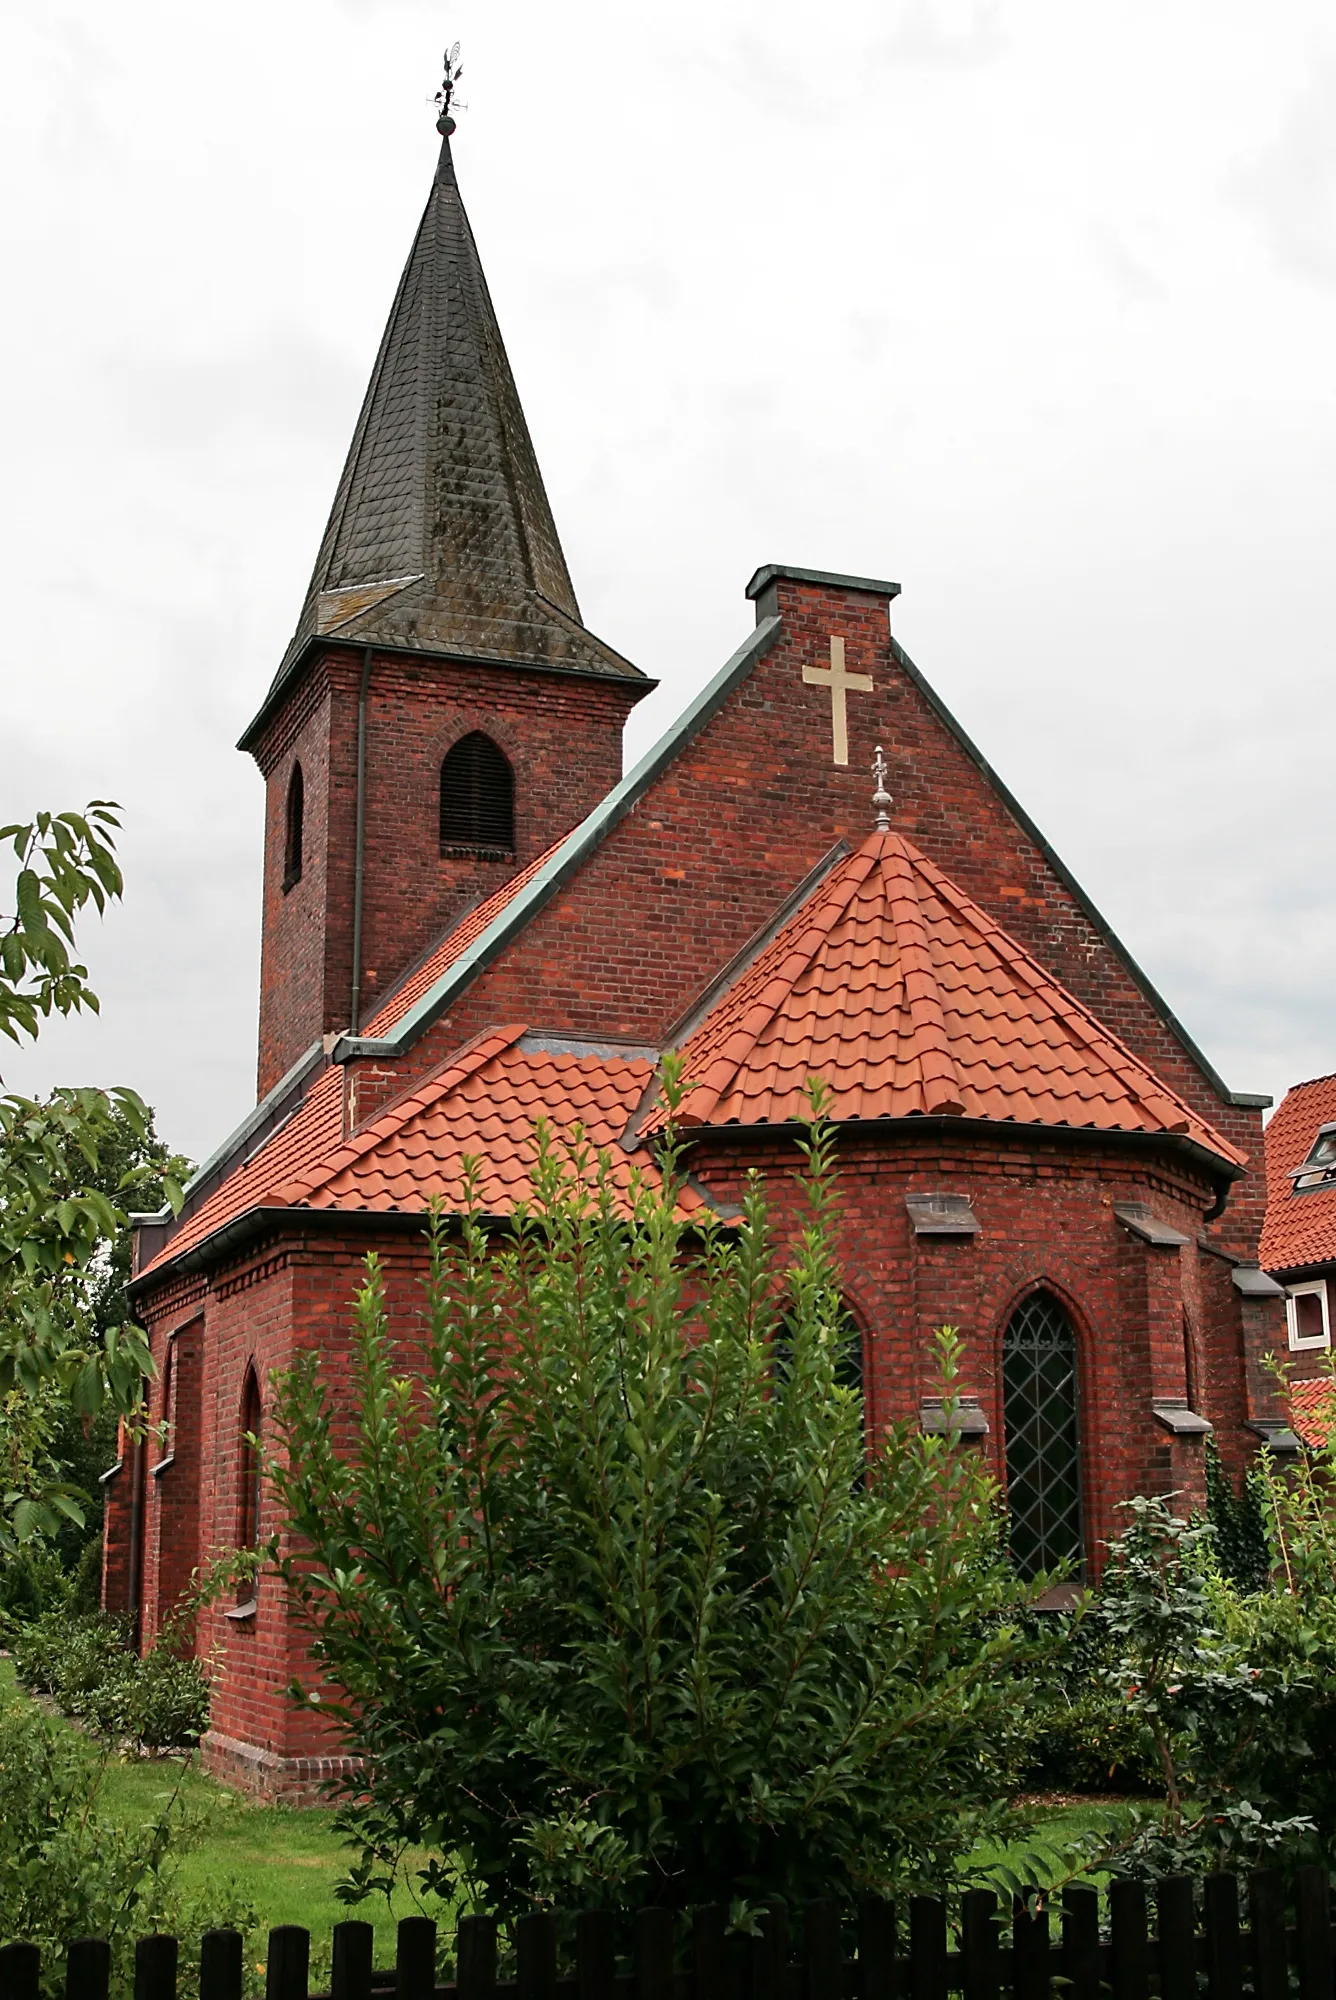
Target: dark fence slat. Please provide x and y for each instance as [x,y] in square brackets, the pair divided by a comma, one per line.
[1224,1946]
[769,1956]
[1129,1942]
[980,1946]
[88,1969]
[652,1954]
[1266,1921]
[823,1977]
[475,1949]
[155,1968]
[1080,1941]
[20,1972]
[709,1953]
[288,1963]
[536,1957]
[927,1948]
[596,1955]
[1176,1917]
[1312,1909]
[354,1950]
[876,1949]
[415,1958]
[1029,1953]
[220,1965]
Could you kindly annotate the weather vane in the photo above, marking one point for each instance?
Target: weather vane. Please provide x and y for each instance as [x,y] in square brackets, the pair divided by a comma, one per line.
[445,96]
[881,798]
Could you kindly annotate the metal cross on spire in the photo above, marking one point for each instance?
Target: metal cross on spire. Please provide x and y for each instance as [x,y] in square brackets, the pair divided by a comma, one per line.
[881,798]
[445,96]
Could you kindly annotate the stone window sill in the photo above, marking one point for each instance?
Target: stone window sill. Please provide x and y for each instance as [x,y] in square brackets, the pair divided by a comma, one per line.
[243,1612]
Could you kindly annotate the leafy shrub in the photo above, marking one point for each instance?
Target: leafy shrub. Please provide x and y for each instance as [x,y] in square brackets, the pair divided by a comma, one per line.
[623,1604]
[68,1870]
[84,1664]
[33,1582]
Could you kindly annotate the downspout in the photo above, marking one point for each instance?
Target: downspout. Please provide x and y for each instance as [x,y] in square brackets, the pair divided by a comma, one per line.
[359,846]
[135,1579]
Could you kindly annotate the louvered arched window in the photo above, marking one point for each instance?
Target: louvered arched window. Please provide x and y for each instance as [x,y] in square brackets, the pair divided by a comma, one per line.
[292,829]
[477,798]
[1042,1420]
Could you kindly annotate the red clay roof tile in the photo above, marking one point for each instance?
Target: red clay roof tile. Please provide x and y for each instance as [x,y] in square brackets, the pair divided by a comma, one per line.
[1300,1229]
[1311,1409]
[906,997]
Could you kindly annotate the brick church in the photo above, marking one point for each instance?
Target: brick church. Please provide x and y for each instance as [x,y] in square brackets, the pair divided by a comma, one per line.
[472,919]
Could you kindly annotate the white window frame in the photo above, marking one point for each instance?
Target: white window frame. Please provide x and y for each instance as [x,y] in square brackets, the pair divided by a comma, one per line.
[1298,1341]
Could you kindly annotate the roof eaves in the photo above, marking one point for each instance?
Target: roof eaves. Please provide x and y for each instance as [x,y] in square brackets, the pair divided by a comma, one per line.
[631,677]
[574,851]
[1246,1099]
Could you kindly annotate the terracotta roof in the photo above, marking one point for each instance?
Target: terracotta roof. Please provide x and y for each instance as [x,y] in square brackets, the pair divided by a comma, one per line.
[486,1102]
[907,998]
[1311,1409]
[1299,1228]
[452,946]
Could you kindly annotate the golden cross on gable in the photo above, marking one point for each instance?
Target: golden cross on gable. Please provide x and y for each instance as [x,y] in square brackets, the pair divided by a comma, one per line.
[839,682]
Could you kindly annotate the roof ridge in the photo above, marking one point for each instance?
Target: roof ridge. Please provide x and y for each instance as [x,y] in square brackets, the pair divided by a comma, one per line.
[1126,1064]
[923,994]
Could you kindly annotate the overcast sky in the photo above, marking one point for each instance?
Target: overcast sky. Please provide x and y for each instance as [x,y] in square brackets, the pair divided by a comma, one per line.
[1030,306]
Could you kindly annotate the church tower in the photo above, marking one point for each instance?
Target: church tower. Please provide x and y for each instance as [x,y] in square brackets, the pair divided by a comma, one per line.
[442,714]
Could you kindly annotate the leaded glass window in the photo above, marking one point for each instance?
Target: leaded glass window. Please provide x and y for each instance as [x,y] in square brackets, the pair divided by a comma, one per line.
[1041,1419]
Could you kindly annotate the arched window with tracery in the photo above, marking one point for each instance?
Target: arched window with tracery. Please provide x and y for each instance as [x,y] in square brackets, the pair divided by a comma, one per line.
[293,829]
[249,1464]
[1041,1418]
[477,798]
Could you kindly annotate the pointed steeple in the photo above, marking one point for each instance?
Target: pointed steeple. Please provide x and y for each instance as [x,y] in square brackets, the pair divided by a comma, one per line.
[441,539]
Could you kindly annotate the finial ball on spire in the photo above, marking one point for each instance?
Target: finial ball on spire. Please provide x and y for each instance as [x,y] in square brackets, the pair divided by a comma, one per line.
[454,69]
[881,798]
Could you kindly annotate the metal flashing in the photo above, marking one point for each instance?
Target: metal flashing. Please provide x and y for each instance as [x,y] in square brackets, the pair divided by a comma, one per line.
[769,572]
[1275,1434]
[1255,1283]
[1137,1217]
[1250,1100]
[966,1420]
[567,1045]
[942,1215]
[1174,1413]
[573,852]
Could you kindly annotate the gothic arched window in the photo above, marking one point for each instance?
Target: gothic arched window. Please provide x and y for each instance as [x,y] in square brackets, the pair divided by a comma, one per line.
[250,1466]
[1041,1421]
[292,829]
[477,797]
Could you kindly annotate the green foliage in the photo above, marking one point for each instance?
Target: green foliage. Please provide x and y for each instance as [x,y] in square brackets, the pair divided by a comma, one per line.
[1084,1737]
[160,1702]
[623,1611]
[1217,1714]
[65,861]
[1242,1549]
[68,1870]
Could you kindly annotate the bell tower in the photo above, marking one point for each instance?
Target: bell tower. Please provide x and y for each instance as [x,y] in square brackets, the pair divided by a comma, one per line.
[442,714]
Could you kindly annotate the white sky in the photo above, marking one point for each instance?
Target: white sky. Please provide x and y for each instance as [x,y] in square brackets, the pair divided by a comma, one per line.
[1031,306]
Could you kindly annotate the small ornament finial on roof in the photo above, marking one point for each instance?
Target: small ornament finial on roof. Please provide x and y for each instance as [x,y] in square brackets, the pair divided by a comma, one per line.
[454,69]
[881,798]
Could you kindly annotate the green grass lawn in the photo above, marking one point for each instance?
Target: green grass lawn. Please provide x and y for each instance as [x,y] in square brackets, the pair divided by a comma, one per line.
[283,1862]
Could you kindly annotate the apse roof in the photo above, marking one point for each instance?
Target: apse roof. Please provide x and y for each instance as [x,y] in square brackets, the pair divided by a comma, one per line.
[909,1000]
[1300,1225]
[441,538]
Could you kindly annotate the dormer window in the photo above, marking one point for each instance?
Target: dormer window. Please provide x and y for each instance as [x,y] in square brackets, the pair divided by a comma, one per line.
[1319,1169]
[1307,1312]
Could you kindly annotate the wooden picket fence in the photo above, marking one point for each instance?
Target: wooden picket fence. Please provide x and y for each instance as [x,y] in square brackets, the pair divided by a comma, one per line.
[1207,1941]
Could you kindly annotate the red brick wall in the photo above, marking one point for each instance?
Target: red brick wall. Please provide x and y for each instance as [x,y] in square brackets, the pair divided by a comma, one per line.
[741,816]
[562,734]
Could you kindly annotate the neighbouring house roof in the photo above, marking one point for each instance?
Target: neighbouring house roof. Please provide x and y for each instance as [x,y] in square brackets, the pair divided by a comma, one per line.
[485,1103]
[441,538]
[909,1000]
[1312,1405]
[1300,1227]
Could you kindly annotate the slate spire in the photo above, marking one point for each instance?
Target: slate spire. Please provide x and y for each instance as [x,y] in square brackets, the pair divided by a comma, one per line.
[441,538]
